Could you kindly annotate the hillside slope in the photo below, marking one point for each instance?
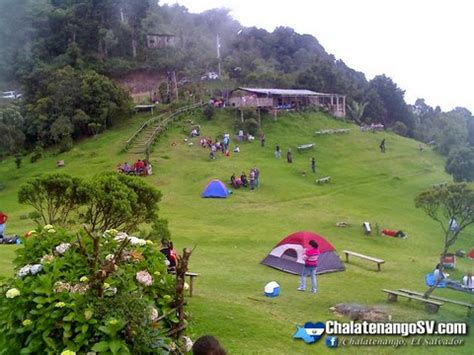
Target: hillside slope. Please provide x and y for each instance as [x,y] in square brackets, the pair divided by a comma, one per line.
[231,236]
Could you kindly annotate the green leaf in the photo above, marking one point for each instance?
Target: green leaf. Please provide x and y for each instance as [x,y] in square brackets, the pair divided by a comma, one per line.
[40,299]
[88,313]
[70,317]
[101,346]
[118,345]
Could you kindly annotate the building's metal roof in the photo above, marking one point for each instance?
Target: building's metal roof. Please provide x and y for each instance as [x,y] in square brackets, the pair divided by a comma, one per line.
[285,92]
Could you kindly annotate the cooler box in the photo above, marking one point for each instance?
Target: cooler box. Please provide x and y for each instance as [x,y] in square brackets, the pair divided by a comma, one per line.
[272,289]
[449,261]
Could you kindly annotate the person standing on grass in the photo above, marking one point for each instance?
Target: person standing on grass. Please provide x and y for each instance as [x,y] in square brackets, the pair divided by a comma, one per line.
[277,152]
[313,165]
[262,140]
[289,156]
[310,257]
[382,146]
[3,223]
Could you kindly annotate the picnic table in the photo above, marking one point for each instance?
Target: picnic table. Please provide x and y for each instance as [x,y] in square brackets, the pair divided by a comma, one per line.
[323,180]
[369,258]
[431,306]
[305,147]
[442,299]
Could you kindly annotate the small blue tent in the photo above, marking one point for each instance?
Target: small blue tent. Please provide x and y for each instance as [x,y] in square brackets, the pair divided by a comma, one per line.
[215,188]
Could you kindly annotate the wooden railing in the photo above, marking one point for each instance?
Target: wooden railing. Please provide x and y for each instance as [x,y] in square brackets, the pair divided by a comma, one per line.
[165,118]
[164,124]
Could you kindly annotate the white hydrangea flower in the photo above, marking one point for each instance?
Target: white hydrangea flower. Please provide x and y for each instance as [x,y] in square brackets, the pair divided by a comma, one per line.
[25,270]
[36,268]
[110,257]
[12,293]
[188,343]
[62,248]
[144,278]
[154,314]
[133,240]
[46,259]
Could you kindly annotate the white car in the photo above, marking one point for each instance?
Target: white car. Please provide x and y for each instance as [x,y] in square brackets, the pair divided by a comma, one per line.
[210,76]
[10,95]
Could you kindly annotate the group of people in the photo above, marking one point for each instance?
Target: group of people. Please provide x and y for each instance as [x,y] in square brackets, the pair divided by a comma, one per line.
[241,136]
[289,154]
[140,167]
[467,281]
[217,146]
[243,181]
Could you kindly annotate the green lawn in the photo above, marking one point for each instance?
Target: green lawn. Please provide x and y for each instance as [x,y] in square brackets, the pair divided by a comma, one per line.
[232,236]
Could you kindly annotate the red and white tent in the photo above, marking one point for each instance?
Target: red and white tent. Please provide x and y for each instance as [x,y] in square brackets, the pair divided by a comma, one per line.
[288,254]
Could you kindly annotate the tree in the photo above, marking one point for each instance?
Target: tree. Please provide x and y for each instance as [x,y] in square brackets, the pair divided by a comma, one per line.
[393,101]
[357,110]
[11,126]
[455,201]
[460,164]
[53,196]
[120,202]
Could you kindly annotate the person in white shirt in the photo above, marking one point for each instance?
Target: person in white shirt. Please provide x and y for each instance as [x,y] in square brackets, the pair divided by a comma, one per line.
[468,281]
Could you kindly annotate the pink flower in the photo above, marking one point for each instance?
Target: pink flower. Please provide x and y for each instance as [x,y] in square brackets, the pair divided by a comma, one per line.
[144,278]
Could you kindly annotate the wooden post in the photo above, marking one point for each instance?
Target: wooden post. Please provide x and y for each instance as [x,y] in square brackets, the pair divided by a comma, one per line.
[259,118]
[191,279]
[392,297]
[431,308]
[241,115]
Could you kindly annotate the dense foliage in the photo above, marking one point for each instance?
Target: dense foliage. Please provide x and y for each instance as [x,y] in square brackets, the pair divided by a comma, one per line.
[105,201]
[105,293]
[460,164]
[63,104]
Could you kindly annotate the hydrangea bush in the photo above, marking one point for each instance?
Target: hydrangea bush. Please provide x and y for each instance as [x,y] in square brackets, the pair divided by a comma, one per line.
[86,293]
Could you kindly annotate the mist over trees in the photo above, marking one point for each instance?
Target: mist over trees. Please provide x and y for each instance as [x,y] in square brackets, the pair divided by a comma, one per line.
[48,45]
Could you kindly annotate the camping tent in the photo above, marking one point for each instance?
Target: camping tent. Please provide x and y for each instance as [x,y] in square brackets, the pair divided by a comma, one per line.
[215,188]
[288,254]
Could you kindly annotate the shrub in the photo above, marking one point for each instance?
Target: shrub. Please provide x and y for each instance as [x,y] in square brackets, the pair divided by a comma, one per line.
[37,154]
[208,112]
[400,128]
[84,293]
[460,164]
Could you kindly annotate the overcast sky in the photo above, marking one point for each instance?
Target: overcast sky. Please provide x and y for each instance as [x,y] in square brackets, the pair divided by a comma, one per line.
[425,46]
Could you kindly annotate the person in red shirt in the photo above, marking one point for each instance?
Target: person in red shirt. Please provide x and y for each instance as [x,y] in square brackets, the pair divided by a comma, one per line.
[3,223]
[394,233]
[310,257]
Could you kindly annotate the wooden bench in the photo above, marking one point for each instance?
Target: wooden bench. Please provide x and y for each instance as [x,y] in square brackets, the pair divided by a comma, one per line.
[370,258]
[323,180]
[191,275]
[431,306]
[305,147]
[464,304]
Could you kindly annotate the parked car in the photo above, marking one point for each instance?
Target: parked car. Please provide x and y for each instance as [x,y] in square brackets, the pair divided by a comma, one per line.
[11,95]
[210,76]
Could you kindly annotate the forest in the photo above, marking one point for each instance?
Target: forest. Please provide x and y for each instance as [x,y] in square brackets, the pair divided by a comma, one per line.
[52,47]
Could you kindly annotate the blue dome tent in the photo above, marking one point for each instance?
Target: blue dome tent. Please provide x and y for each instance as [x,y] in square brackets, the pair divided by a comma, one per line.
[216,189]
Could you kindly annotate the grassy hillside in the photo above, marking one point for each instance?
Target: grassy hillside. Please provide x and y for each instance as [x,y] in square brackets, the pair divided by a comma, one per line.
[232,236]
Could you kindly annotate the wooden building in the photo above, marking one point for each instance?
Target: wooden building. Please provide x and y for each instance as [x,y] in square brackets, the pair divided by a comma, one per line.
[155,40]
[287,99]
